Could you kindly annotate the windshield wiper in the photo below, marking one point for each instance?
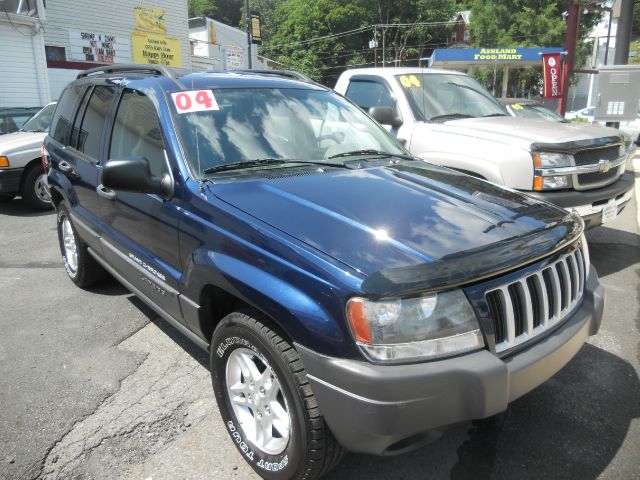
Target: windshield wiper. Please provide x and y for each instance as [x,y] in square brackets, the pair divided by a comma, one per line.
[450,116]
[495,115]
[269,161]
[378,153]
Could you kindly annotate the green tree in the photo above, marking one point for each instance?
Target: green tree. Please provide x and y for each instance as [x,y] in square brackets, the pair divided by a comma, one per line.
[303,35]
[201,8]
[303,39]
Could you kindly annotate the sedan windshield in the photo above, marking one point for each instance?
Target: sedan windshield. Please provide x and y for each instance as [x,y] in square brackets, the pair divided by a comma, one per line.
[264,126]
[40,121]
[438,97]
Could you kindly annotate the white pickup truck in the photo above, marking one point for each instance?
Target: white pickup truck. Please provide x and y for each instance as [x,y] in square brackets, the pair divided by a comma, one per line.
[449,119]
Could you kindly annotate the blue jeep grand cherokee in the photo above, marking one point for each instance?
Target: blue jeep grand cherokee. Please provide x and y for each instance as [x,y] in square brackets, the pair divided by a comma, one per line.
[351,297]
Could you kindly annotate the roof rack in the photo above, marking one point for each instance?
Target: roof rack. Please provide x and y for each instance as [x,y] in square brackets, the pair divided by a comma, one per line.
[131,68]
[292,74]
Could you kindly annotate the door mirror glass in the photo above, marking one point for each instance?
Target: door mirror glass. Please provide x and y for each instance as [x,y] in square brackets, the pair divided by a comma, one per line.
[133,174]
[385,116]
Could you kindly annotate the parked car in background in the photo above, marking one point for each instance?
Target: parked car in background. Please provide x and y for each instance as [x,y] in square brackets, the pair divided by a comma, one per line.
[21,169]
[349,295]
[630,127]
[12,119]
[585,113]
[526,108]
[448,118]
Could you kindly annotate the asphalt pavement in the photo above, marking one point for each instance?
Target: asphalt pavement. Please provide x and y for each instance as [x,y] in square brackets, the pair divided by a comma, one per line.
[94,385]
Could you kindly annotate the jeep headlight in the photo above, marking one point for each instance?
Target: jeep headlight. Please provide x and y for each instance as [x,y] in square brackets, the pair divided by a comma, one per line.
[427,327]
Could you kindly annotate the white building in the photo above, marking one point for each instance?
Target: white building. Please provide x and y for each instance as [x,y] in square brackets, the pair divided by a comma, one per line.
[44,48]
[218,46]
[23,82]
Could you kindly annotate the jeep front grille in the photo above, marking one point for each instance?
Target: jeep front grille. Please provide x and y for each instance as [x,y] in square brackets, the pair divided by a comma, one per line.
[529,306]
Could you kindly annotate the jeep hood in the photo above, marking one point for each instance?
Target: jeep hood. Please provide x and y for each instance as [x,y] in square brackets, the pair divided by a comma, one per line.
[405,226]
[524,132]
[18,141]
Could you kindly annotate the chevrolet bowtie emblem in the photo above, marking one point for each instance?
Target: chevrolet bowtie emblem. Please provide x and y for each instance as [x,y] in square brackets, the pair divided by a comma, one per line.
[605,166]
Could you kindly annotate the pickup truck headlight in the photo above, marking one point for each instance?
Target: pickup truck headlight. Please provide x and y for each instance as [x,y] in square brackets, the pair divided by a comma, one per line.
[552,160]
[542,160]
[426,327]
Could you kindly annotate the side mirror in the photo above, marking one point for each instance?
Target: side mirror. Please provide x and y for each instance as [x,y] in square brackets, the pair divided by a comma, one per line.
[134,175]
[385,116]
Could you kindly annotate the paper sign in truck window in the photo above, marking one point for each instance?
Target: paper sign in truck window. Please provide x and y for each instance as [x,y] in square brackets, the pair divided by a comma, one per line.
[194,101]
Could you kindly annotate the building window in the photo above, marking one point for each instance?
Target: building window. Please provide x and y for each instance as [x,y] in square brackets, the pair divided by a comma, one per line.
[55,54]
[466,35]
[20,7]
[454,36]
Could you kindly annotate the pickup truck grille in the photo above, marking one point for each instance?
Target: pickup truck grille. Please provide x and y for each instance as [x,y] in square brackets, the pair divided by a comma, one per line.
[594,155]
[536,302]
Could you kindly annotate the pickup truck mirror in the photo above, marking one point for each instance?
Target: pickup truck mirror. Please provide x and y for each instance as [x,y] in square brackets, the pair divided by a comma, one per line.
[385,116]
[133,174]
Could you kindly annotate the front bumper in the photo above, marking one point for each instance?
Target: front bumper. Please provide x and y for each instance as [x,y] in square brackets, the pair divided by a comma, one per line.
[589,203]
[384,409]
[10,180]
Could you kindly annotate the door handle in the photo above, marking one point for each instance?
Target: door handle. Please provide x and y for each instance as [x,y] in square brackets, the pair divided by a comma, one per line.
[65,167]
[105,192]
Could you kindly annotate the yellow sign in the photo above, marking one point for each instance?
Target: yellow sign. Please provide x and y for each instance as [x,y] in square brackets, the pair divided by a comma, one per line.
[409,81]
[150,19]
[212,34]
[155,48]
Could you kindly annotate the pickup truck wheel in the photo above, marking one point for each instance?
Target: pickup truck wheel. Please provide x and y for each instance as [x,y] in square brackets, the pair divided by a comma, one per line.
[35,191]
[266,401]
[82,268]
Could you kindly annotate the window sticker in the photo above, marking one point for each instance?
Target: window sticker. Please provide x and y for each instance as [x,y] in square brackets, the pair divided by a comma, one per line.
[409,81]
[194,101]
[516,106]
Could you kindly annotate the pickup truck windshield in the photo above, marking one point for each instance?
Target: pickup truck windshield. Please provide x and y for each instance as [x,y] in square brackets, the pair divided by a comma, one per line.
[40,121]
[277,123]
[442,97]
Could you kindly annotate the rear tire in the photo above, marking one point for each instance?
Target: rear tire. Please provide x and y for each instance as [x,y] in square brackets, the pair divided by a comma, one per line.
[35,191]
[263,392]
[82,268]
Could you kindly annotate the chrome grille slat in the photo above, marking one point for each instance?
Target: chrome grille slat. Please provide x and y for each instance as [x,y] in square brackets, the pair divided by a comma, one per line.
[557,290]
[545,301]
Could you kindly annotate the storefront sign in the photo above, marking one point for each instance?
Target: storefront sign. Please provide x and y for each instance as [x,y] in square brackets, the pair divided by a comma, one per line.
[99,47]
[479,56]
[234,58]
[150,19]
[552,75]
[156,48]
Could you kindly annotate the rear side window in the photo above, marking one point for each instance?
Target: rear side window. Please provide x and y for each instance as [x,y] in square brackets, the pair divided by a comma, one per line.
[136,132]
[93,121]
[63,117]
[369,94]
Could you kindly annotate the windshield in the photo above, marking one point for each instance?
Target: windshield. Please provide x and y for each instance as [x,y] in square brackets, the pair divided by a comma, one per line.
[535,111]
[274,123]
[40,121]
[441,97]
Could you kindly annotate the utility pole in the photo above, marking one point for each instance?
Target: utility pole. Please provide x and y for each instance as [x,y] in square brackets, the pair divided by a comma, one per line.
[571,39]
[623,33]
[248,15]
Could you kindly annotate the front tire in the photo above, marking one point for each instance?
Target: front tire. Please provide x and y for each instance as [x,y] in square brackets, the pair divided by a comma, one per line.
[82,268]
[35,191]
[266,402]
